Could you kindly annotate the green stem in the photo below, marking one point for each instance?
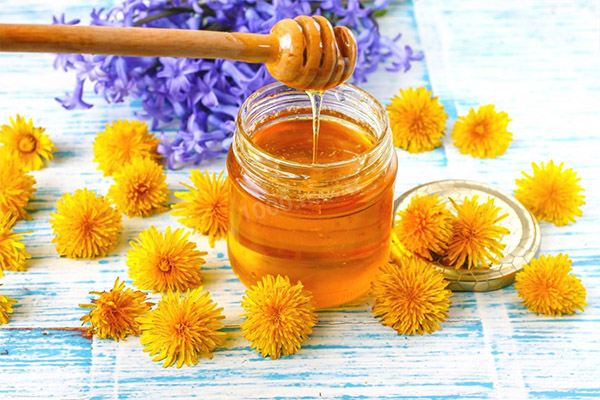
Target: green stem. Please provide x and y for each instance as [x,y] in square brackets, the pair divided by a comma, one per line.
[166,13]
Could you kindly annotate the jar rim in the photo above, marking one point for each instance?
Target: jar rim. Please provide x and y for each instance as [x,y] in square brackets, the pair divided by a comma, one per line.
[381,141]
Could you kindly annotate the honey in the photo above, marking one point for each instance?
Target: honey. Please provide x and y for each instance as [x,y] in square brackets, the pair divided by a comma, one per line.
[324,217]
[293,140]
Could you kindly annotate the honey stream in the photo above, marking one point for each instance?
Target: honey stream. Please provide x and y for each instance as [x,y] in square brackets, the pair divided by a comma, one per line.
[316,103]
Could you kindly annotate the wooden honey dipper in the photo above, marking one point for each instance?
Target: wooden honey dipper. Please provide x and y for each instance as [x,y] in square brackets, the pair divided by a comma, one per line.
[305,53]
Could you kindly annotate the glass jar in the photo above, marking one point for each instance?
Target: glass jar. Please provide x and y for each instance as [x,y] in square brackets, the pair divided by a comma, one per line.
[324,224]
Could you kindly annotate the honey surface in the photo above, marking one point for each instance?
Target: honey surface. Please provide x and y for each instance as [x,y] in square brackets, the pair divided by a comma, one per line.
[293,140]
[335,244]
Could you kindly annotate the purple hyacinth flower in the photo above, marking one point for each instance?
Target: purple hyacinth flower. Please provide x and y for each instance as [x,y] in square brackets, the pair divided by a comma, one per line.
[119,90]
[334,6]
[352,14]
[168,150]
[61,20]
[203,91]
[380,4]
[74,100]
[401,57]
[204,95]
[176,71]
[90,67]
[66,61]
[281,9]
[156,110]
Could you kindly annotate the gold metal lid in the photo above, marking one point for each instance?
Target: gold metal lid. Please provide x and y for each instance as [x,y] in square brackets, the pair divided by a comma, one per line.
[522,243]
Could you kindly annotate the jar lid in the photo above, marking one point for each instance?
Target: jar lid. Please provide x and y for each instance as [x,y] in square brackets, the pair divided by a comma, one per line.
[522,243]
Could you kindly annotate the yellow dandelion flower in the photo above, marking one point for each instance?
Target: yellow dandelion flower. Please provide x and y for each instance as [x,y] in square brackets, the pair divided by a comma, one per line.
[16,189]
[424,227]
[476,235]
[205,208]
[482,133]
[9,156]
[547,288]
[26,143]
[397,249]
[6,304]
[279,316]
[85,225]
[114,313]
[12,251]
[183,328]
[551,193]
[417,120]
[122,142]
[165,261]
[140,188]
[410,296]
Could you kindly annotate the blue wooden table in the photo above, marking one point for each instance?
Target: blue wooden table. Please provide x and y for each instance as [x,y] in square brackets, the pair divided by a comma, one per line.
[537,60]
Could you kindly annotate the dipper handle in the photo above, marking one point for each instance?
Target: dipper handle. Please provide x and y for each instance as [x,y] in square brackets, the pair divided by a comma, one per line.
[303,53]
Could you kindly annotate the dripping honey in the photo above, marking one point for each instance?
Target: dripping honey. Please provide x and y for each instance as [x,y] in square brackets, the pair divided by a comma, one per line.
[328,226]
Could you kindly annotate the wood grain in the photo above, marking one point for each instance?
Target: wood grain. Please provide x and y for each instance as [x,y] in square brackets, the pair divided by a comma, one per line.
[144,42]
[537,60]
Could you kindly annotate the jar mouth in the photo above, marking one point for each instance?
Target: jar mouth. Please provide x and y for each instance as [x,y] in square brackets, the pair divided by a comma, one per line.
[379,123]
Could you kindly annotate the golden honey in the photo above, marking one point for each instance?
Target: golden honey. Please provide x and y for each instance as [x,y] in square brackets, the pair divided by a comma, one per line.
[323,219]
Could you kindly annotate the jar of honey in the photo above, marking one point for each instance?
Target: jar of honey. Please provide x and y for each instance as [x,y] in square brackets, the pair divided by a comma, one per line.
[319,211]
